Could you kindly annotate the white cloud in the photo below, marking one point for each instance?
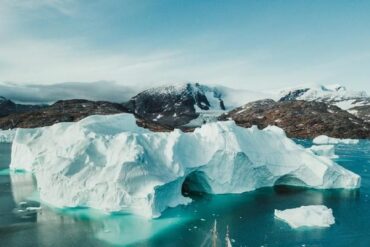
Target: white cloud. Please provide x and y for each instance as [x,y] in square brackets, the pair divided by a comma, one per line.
[100,90]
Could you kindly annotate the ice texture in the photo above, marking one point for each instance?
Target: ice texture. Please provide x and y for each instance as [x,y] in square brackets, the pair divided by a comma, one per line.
[307,216]
[109,163]
[323,139]
[7,136]
[324,150]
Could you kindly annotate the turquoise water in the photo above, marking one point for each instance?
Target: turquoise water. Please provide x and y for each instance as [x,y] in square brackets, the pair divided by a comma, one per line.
[249,216]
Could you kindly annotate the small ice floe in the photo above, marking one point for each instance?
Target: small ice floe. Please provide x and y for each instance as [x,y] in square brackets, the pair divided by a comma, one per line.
[323,139]
[324,150]
[308,216]
[33,208]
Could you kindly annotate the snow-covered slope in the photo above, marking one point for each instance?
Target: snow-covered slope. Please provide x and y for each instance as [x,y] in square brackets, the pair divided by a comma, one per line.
[109,163]
[328,93]
[308,216]
[355,102]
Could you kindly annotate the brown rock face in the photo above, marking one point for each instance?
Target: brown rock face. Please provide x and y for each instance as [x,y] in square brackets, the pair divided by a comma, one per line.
[61,111]
[300,119]
[69,111]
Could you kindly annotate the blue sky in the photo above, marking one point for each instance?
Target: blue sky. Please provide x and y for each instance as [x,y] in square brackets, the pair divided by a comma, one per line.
[243,44]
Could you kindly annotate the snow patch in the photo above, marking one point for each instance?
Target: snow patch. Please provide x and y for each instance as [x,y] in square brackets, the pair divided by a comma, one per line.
[111,164]
[308,216]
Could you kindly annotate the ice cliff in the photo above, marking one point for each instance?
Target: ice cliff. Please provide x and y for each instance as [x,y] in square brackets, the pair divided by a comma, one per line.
[109,163]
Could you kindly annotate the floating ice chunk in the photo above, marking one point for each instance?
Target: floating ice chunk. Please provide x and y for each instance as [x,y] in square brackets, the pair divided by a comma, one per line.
[109,163]
[323,139]
[309,216]
[324,150]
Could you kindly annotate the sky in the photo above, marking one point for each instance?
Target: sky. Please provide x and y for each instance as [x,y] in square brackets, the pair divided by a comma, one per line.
[255,45]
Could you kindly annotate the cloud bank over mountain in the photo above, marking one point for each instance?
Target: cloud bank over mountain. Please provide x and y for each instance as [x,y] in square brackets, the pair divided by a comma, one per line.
[36,93]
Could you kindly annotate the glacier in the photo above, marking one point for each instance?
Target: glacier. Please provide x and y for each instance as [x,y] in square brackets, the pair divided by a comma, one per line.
[308,216]
[111,164]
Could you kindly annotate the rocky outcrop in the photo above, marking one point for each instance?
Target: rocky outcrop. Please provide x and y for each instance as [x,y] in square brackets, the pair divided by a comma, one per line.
[355,102]
[175,105]
[8,107]
[301,119]
[61,111]
[70,111]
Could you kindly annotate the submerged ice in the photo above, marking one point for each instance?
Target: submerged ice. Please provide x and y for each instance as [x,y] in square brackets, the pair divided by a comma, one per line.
[109,163]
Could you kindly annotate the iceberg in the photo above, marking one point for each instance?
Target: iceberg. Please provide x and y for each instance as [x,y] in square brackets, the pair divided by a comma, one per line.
[7,136]
[111,164]
[308,216]
[324,150]
[323,139]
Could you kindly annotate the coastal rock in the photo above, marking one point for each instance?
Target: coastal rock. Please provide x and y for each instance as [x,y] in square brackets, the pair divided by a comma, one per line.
[61,111]
[187,104]
[355,102]
[301,119]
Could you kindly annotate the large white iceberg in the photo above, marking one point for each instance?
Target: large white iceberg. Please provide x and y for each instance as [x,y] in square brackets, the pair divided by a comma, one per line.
[324,140]
[109,163]
[309,216]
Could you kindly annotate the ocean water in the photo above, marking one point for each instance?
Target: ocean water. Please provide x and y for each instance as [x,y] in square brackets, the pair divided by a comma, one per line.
[249,216]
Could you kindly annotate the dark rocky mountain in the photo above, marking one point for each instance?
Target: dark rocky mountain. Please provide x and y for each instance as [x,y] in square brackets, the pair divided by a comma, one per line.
[69,111]
[301,119]
[175,106]
[162,108]
[8,107]
[61,111]
[189,105]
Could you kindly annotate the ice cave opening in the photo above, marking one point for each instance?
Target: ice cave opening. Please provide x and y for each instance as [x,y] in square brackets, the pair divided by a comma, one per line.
[196,184]
[289,180]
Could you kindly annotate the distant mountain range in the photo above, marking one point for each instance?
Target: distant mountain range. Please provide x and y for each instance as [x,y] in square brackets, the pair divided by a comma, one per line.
[302,112]
[355,102]
[8,107]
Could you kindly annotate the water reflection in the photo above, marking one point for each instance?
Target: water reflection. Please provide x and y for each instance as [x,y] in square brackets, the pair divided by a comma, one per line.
[117,229]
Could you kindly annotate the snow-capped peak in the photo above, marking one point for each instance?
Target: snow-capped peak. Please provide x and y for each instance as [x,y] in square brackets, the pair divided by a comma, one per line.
[326,93]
